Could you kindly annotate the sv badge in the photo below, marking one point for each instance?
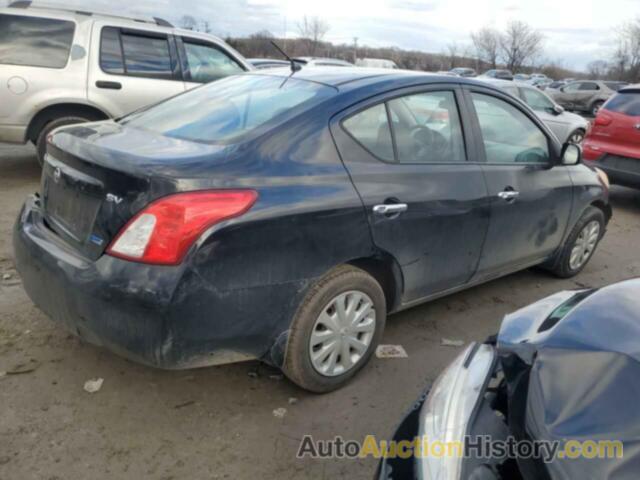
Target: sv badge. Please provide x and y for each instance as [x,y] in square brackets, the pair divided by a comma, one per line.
[111,198]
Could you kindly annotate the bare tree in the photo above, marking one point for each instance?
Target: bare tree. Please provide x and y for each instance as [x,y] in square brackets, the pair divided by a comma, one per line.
[626,58]
[313,29]
[452,53]
[486,42]
[188,22]
[598,69]
[520,44]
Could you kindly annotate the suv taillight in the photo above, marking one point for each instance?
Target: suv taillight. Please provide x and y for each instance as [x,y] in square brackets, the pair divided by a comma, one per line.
[163,232]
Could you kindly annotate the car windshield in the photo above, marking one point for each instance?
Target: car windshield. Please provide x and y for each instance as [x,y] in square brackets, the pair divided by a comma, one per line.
[231,109]
[564,308]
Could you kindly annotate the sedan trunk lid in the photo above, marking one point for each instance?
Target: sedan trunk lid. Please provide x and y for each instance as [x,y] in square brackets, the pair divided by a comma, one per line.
[97,176]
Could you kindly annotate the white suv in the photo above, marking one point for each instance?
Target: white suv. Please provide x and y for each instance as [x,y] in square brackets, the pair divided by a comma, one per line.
[59,67]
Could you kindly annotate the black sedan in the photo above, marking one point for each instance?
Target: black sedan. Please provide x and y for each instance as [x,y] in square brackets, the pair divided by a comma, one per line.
[562,374]
[283,216]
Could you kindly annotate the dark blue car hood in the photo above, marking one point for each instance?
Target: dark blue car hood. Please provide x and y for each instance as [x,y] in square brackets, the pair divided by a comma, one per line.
[577,378]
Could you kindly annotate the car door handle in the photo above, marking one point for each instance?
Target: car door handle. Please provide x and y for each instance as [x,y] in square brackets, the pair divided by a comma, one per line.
[509,195]
[390,209]
[109,85]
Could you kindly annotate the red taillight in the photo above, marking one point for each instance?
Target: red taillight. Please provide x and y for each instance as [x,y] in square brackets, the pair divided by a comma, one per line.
[164,231]
[603,120]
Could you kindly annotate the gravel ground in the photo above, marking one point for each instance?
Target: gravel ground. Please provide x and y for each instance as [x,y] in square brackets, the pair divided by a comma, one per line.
[218,422]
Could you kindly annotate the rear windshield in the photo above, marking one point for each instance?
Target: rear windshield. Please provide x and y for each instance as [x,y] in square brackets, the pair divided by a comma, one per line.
[625,103]
[35,42]
[230,109]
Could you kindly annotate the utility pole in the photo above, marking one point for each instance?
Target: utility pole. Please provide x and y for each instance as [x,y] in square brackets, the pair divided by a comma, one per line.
[355,50]
[284,40]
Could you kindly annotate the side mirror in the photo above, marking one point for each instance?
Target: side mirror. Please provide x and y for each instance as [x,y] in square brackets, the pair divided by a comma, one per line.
[558,110]
[571,154]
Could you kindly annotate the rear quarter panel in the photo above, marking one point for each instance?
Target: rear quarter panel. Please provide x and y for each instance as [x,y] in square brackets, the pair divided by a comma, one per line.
[251,273]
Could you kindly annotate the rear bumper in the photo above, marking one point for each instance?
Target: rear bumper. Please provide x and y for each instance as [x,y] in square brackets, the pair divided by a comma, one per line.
[166,317]
[621,170]
[13,134]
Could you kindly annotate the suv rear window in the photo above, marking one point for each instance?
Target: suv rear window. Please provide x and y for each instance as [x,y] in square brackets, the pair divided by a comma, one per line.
[145,54]
[627,103]
[230,109]
[35,42]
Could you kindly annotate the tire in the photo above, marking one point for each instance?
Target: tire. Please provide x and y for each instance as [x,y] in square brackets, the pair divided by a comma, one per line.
[577,136]
[565,266]
[345,282]
[596,107]
[41,142]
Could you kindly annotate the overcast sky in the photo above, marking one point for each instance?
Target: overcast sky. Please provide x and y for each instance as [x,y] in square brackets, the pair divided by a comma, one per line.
[576,31]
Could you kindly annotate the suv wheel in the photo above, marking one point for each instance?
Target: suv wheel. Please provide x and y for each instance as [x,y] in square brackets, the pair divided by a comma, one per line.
[336,330]
[596,107]
[577,136]
[581,244]
[41,142]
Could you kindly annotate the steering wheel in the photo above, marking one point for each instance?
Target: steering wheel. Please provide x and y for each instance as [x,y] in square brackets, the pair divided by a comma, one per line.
[429,143]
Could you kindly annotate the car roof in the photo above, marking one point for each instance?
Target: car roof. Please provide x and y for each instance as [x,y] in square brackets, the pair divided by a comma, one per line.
[342,78]
[44,10]
[630,89]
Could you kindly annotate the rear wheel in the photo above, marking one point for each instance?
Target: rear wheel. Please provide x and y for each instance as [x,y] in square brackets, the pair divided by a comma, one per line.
[336,330]
[41,142]
[581,243]
[596,107]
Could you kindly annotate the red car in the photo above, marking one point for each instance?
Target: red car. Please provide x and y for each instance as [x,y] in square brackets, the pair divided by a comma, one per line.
[613,141]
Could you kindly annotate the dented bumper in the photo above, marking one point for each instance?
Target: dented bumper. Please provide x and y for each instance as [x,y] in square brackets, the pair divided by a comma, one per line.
[163,316]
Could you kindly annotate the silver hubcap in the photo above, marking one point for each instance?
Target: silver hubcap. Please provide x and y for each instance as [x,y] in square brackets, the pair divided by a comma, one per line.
[585,245]
[342,333]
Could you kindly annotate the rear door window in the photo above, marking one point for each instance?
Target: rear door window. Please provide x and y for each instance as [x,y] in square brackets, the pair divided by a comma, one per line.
[625,103]
[139,54]
[371,129]
[589,86]
[509,136]
[35,42]
[146,56]
[427,128]
[208,63]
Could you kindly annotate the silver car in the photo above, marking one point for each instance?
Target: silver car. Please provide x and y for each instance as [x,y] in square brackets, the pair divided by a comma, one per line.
[586,95]
[568,127]
[59,67]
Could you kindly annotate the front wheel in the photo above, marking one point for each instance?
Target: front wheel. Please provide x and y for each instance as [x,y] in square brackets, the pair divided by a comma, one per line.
[577,136]
[596,107]
[581,243]
[336,330]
